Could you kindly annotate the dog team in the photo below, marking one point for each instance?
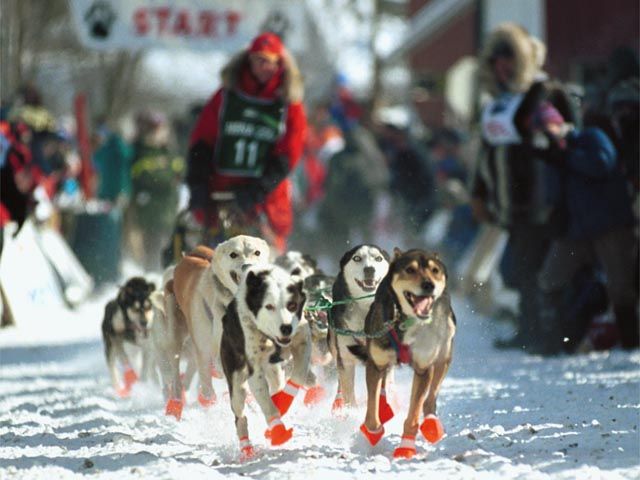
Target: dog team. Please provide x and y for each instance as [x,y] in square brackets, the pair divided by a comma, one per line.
[266,323]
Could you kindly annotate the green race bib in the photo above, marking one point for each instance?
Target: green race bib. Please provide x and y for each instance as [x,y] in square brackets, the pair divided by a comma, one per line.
[249,128]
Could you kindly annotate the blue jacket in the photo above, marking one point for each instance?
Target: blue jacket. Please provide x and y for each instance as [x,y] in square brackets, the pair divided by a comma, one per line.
[596,194]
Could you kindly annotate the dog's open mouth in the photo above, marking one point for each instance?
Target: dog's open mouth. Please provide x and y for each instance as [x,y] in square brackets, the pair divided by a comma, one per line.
[235,277]
[421,305]
[283,341]
[368,284]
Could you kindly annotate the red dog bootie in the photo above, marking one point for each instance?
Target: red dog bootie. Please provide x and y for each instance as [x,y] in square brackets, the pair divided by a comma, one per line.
[432,428]
[130,377]
[407,447]
[277,432]
[246,449]
[314,395]
[123,392]
[206,402]
[384,409]
[338,403]
[284,398]
[215,373]
[372,437]
[174,408]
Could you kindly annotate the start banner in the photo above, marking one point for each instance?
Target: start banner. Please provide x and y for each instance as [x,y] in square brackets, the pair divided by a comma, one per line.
[220,25]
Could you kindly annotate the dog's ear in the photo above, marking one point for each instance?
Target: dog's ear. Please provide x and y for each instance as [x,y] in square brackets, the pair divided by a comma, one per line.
[151,287]
[385,254]
[347,256]
[310,260]
[396,253]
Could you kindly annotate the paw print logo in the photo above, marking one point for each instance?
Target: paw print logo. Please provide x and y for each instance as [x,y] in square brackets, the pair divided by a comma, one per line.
[100,18]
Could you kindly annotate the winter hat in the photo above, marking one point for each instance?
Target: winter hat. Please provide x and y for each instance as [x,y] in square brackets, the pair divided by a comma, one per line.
[267,44]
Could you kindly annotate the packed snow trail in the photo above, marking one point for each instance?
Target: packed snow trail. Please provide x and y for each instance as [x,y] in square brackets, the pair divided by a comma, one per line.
[506,414]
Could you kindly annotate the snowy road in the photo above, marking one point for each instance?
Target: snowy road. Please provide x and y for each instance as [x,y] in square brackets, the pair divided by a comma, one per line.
[507,415]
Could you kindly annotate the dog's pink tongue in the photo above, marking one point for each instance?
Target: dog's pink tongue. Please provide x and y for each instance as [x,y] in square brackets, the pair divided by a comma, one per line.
[422,305]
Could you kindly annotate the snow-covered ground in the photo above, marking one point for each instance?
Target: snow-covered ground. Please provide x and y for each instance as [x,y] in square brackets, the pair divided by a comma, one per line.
[507,415]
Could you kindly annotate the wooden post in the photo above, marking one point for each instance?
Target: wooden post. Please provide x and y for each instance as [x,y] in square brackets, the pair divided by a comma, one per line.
[84,146]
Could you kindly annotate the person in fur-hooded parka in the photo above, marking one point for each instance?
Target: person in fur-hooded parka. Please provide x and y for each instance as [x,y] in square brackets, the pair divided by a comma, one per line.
[250,135]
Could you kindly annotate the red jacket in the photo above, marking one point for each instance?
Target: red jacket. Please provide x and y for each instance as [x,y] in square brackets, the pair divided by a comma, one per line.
[277,204]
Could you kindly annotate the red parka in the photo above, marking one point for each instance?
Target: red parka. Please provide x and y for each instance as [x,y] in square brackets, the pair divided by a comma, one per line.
[285,85]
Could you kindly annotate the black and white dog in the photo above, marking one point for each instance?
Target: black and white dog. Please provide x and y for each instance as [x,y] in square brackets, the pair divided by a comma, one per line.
[361,270]
[297,263]
[128,318]
[261,328]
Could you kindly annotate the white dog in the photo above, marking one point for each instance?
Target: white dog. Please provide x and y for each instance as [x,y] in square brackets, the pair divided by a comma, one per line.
[262,326]
[202,285]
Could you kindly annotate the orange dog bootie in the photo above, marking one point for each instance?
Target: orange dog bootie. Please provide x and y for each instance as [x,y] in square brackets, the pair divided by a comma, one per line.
[130,377]
[284,398]
[277,432]
[314,395]
[206,402]
[407,448]
[385,410]
[174,408]
[432,428]
[372,437]
[246,449]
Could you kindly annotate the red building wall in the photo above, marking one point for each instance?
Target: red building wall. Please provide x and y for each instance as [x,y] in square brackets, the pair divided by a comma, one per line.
[432,58]
[583,33]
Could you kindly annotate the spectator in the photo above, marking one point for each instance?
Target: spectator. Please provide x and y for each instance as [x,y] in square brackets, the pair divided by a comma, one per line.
[155,176]
[509,183]
[599,227]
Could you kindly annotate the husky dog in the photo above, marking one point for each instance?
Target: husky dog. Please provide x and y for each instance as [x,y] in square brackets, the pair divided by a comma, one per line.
[128,318]
[262,326]
[412,302]
[361,270]
[203,284]
[297,263]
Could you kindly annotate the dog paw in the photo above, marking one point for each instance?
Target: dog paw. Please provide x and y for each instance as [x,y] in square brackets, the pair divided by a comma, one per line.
[372,437]
[432,428]
[206,402]
[314,395]
[384,409]
[130,377]
[174,408]
[279,435]
[404,452]
[282,400]
[247,453]
[123,392]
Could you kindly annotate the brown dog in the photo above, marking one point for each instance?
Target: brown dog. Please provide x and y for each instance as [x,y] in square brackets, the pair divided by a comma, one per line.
[413,304]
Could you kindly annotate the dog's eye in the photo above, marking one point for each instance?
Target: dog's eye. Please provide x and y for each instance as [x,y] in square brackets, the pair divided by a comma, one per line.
[270,307]
[379,259]
[410,270]
[296,271]
[357,258]
[292,306]
[435,270]
[257,253]
[233,255]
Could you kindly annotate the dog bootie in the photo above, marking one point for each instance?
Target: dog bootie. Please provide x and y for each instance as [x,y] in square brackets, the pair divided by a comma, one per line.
[246,449]
[338,403]
[130,377]
[277,432]
[314,395]
[206,402]
[284,398]
[384,409]
[215,373]
[407,447]
[123,392]
[174,408]
[432,428]
[372,437]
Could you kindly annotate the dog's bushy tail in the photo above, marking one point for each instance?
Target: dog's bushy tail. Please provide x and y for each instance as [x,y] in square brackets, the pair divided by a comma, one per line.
[359,351]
